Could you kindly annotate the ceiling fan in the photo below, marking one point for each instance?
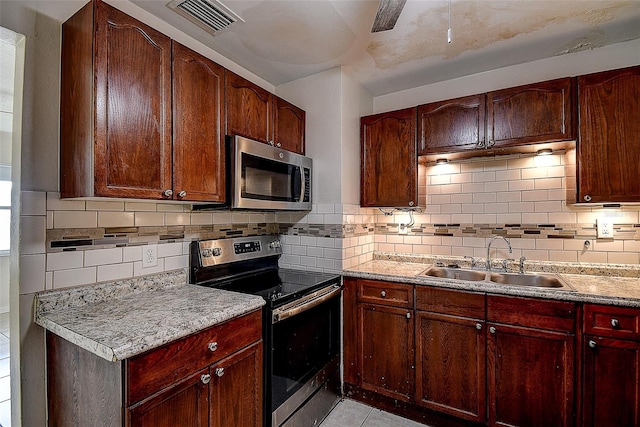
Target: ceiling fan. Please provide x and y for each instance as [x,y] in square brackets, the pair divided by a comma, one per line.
[387,15]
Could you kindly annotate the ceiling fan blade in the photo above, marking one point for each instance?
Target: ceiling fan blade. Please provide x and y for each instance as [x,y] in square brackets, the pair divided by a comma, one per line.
[387,15]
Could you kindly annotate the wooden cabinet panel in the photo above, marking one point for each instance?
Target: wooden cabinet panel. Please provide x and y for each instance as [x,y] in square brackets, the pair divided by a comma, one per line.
[133,107]
[198,140]
[386,293]
[249,109]
[350,329]
[385,343]
[389,168]
[452,125]
[614,322]
[185,403]
[449,301]
[611,382]
[450,365]
[236,389]
[608,150]
[539,112]
[530,377]
[289,126]
[161,367]
[534,313]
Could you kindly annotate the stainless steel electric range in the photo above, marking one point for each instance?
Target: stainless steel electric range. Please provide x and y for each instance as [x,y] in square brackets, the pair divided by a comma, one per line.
[301,323]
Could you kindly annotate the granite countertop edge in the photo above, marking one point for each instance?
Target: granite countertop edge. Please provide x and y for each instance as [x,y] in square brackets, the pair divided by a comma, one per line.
[82,315]
[407,272]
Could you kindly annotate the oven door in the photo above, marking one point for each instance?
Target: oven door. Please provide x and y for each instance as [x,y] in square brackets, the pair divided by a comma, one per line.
[305,339]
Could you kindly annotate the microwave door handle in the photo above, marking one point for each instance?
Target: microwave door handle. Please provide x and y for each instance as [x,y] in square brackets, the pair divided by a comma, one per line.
[298,184]
[303,186]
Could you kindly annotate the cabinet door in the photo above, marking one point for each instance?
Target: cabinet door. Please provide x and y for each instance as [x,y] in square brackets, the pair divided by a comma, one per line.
[249,109]
[289,126]
[530,377]
[453,125]
[389,168]
[608,152]
[611,385]
[198,140]
[133,107]
[183,404]
[540,112]
[236,389]
[385,342]
[450,365]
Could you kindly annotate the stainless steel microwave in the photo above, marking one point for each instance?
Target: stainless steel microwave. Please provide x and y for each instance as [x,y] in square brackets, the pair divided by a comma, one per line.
[266,177]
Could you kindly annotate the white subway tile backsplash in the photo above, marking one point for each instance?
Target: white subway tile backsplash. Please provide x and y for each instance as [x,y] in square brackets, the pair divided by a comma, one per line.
[116,219]
[169,249]
[176,262]
[54,203]
[65,260]
[114,272]
[32,273]
[148,219]
[132,253]
[139,271]
[33,203]
[75,219]
[140,207]
[102,257]
[174,218]
[32,235]
[74,277]
[104,206]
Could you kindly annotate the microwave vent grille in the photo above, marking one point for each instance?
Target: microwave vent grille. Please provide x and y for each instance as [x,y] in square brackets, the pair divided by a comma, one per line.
[211,15]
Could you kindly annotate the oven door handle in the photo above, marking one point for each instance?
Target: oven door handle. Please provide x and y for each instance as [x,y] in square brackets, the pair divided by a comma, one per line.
[305,304]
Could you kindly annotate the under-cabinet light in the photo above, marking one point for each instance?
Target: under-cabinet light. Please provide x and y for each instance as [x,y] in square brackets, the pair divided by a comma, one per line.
[442,161]
[545,152]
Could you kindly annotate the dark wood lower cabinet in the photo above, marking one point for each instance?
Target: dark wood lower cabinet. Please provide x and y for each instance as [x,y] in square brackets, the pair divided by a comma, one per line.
[530,377]
[386,350]
[611,382]
[450,365]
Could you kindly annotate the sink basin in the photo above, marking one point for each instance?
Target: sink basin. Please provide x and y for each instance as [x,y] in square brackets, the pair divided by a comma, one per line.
[455,273]
[535,280]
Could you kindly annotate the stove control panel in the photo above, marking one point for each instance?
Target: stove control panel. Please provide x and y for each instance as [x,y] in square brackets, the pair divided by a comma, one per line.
[246,247]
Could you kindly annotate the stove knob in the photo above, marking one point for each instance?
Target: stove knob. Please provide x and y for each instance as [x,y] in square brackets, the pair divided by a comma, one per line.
[206,253]
[275,244]
[217,251]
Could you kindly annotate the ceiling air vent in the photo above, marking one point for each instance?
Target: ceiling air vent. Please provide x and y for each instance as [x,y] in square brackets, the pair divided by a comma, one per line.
[211,15]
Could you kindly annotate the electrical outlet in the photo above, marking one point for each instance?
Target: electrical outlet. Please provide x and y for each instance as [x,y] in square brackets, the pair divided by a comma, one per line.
[149,256]
[402,229]
[605,228]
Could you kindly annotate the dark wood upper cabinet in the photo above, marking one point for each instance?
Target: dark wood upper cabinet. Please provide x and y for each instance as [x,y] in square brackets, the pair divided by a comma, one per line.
[389,165]
[289,126]
[198,140]
[452,125]
[539,112]
[249,109]
[608,152]
[130,144]
[138,130]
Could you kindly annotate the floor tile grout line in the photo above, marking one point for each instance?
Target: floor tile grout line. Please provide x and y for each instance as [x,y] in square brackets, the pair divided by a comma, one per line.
[366,418]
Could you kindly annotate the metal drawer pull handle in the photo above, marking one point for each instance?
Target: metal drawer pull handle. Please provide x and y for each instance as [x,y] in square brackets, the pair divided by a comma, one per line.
[592,344]
[492,330]
[383,294]
[182,194]
[213,346]
[219,372]
[168,193]
[205,378]
[479,326]
[615,323]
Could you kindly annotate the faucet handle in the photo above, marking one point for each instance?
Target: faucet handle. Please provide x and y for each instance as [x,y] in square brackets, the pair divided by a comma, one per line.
[474,261]
[504,264]
[522,260]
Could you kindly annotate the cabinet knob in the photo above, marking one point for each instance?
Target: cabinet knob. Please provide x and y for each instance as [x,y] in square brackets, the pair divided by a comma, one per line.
[270,143]
[411,203]
[182,194]
[213,346]
[205,378]
[615,323]
[383,294]
[278,145]
[491,143]
[479,326]
[587,198]
[219,372]
[492,330]
[592,344]
[167,193]
[408,315]
[481,144]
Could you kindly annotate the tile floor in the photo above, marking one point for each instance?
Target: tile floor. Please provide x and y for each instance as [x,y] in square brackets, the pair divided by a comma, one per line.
[349,413]
[5,386]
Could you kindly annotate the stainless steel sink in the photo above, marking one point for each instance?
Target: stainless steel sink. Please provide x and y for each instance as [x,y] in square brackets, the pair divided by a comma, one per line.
[455,273]
[548,281]
[552,281]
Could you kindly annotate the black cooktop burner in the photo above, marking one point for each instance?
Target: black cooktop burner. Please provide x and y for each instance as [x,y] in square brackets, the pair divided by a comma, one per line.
[278,286]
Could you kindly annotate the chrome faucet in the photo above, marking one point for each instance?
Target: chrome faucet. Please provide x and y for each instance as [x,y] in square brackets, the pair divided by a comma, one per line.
[489,249]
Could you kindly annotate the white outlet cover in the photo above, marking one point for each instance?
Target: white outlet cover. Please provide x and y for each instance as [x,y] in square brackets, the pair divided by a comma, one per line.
[149,256]
[604,228]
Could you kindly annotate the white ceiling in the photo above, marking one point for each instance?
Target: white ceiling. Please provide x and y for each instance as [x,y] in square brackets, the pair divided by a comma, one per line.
[284,40]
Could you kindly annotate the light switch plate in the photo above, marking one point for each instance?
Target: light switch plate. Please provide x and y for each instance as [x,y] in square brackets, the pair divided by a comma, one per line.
[604,228]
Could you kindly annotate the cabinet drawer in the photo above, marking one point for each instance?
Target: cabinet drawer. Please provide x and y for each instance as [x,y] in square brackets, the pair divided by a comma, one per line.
[385,293]
[447,301]
[152,371]
[533,313]
[615,322]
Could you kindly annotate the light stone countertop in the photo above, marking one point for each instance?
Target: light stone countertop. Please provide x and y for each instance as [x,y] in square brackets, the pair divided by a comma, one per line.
[118,320]
[609,290]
